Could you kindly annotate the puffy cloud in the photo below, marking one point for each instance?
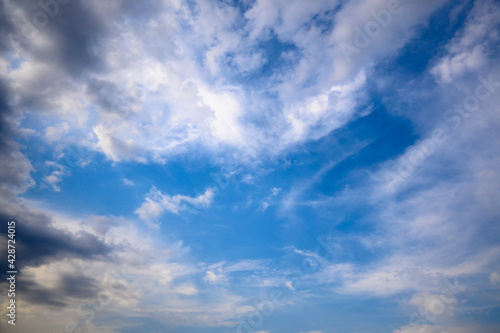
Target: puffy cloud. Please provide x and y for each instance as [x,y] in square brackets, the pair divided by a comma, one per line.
[55,177]
[215,276]
[156,203]
[495,278]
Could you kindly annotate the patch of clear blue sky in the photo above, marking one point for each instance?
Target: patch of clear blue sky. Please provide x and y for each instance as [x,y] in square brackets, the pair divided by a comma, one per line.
[14,62]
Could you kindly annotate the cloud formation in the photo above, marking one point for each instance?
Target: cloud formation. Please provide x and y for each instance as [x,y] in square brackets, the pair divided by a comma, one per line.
[156,203]
[365,131]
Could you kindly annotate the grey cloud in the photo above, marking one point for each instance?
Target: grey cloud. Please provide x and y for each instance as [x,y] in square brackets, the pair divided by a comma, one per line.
[78,286]
[109,96]
[101,224]
[14,166]
[36,294]
[38,242]
[76,31]
[72,32]
[6,27]
[69,286]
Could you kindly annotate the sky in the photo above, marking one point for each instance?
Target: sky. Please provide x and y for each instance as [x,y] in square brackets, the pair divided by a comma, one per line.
[251,166]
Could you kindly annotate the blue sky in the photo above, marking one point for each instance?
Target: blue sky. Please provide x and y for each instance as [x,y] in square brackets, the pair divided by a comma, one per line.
[252,166]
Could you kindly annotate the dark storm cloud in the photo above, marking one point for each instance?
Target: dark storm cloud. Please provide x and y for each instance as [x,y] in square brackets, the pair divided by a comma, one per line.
[38,242]
[14,166]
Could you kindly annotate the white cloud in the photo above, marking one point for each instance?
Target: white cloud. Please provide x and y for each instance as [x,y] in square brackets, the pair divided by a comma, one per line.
[156,203]
[285,18]
[450,67]
[186,290]
[55,133]
[468,51]
[275,191]
[215,276]
[210,276]
[128,182]
[434,304]
[270,198]
[495,278]
[355,16]
[289,285]
[55,177]
[443,329]
[227,110]
[321,114]
[220,273]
